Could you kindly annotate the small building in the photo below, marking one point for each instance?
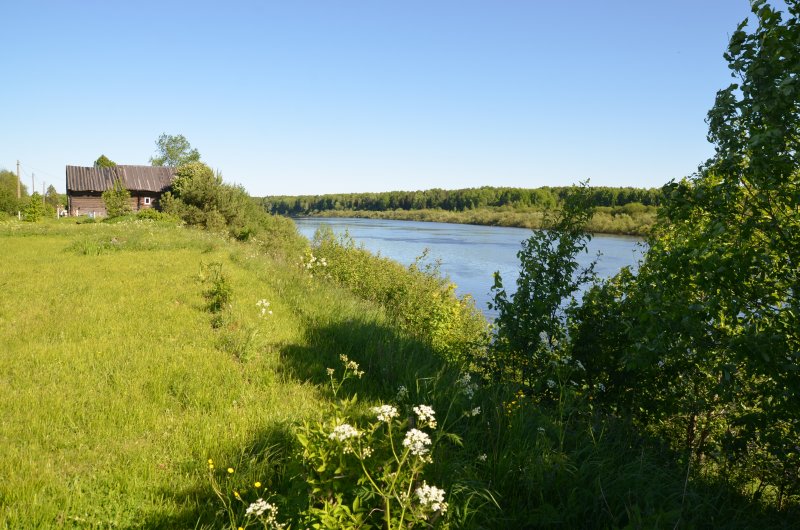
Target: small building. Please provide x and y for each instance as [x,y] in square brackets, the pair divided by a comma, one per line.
[85,186]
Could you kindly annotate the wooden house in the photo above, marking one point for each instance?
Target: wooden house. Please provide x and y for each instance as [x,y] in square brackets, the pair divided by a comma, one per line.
[85,186]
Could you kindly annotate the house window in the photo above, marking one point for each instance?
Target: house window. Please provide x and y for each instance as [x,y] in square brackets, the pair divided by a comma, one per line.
[147,200]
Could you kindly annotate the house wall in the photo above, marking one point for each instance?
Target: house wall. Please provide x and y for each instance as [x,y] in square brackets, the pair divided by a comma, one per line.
[91,203]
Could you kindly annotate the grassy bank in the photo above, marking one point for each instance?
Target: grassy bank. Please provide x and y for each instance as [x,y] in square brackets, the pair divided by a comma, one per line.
[119,383]
[631,219]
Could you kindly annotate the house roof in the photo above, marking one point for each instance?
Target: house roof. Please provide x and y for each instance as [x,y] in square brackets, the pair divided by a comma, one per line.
[133,178]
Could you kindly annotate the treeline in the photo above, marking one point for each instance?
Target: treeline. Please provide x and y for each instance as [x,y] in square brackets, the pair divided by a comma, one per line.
[455,200]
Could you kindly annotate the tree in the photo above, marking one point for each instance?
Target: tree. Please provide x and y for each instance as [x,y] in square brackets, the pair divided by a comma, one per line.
[117,200]
[174,151]
[104,161]
[34,210]
[8,193]
[53,198]
[531,320]
[704,341]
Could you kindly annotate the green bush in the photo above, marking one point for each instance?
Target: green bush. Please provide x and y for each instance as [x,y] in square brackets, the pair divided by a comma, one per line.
[117,200]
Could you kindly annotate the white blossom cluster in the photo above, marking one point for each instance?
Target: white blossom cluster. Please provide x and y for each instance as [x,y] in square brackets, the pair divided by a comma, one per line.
[417,442]
[261,507]
[343,432]
[466,385]
[385,413]
[431,498]
[351,365]
[426,414]
[263,306]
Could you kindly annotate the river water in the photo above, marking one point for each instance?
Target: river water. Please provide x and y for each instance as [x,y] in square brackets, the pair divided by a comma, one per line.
[469,254]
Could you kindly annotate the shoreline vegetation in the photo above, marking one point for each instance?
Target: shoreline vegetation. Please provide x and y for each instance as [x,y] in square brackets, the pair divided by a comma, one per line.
[622,211]
[605,221]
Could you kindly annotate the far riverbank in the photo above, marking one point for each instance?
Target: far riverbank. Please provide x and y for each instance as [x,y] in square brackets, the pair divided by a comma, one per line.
[629,220]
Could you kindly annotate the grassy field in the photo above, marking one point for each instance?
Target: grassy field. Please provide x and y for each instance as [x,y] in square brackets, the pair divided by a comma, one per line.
[117,385]
[114,386]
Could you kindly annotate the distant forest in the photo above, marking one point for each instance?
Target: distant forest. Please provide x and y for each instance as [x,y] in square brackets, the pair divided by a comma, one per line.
[454,200]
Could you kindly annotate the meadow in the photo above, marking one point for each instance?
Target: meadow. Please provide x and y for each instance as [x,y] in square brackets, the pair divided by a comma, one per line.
[121,385]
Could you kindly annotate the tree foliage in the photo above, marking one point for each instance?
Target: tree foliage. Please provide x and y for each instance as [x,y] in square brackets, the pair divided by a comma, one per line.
[117,200]
[104,161]
[456,200]
[699,347]
[8,193]
[702,346]
[35,209]
[174,151]
[531,320]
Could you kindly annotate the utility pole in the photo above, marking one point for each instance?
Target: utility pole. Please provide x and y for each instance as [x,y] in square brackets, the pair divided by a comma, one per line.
[43,183]
[19,194]
[33,186]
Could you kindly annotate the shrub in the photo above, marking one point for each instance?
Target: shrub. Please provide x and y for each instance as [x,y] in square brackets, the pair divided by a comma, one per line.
[117,200]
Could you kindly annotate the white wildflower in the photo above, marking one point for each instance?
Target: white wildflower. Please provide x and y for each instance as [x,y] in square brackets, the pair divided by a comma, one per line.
[331,371]
[466,385]
[402,393]
[268,513]
[602,387]
[366,452]
[343,432]
[426,414]
[431,498]
[482,457]
[416,441]
[661,364]
[551,383]
[385,413]
[580,365]
[474,412]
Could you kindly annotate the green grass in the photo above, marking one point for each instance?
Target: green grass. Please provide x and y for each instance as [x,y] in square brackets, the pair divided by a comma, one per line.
[114,387]
[115,390]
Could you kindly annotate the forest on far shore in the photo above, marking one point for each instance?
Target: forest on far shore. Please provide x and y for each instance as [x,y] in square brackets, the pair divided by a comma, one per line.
[630,211]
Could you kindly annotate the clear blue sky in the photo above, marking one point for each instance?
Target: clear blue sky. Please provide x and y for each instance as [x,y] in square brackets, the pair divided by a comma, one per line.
[307,97]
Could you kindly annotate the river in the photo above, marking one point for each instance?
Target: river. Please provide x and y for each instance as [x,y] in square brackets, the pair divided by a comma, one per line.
[469,254]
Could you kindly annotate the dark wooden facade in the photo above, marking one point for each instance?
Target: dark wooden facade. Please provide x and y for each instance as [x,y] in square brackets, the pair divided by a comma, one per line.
[85,186]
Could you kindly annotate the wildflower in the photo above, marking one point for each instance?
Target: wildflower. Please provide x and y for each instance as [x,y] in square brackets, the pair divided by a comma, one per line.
[366,452]
[580,365]
[482,458]
[230,470]
[551,383]
[351,365]
[385,413]
[343,432]
[466,385]
[431,497]
[474,412]
[257,484]
[426,414]
[416,441]
[661,364]
[402,393]
[331,371]
[543,337]
[602,387]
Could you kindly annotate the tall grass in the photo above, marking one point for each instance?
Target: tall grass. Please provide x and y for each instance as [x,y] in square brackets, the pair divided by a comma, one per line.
[116,388]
